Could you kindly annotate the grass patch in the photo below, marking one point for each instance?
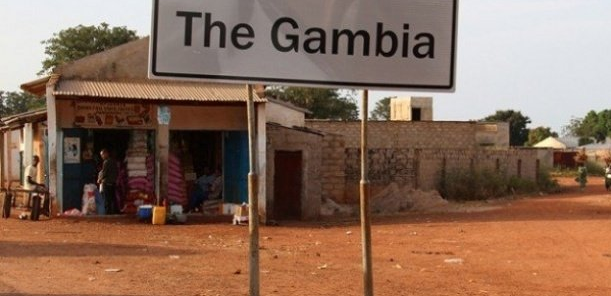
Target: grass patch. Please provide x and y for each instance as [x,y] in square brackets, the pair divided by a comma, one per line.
[594,169]
[466,185]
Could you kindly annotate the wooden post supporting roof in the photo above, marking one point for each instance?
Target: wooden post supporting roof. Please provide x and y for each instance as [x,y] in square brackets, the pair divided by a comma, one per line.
[163,157]
[52,138]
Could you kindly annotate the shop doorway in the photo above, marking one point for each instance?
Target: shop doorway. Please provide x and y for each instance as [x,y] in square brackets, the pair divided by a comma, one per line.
[224,150]
[83,169]
[190,153]
[236,167]
[288,176]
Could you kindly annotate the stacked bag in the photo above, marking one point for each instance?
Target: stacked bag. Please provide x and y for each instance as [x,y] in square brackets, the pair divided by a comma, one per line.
[139,172]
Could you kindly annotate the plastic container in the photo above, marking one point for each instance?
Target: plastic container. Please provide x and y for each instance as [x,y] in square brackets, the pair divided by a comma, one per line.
[181,218]
[158,215]
[176,209]
[145,212]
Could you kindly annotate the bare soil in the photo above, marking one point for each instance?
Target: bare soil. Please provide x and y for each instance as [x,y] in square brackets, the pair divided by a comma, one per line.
[544,245]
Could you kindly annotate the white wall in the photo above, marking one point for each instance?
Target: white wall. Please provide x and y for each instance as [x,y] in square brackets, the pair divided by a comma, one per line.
[283,115]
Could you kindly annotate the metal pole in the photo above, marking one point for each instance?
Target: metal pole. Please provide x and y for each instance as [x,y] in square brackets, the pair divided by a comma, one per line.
[253,201]
[364,188]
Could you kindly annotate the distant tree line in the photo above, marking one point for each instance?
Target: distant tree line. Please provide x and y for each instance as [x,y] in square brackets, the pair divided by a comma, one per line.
[13,102]
[594,127]
[323,103]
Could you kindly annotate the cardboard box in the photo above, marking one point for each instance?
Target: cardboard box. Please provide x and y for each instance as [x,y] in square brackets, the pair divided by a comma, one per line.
[241,214]
[229,209]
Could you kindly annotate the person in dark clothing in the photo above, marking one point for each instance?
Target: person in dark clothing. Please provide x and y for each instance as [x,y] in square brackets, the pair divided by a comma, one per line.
[107,178]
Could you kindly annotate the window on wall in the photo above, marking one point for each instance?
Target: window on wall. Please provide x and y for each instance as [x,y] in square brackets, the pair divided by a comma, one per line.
[444,165]
[22,166]
[537,170]
[416,114]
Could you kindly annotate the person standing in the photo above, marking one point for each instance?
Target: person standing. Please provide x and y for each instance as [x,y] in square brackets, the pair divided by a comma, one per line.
[107,179]
[582,176]
[216,187]
[608,176]
[201,190]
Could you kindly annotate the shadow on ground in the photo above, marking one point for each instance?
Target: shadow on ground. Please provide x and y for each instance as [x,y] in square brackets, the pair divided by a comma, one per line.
[44,249]
[28,294]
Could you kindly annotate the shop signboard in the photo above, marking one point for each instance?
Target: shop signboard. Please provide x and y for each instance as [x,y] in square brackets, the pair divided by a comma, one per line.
[385,44]
[112,115]
[163,115]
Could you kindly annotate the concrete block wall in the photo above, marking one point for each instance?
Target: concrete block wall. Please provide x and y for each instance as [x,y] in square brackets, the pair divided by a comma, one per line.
[333,167]
[410,153]
[281,138]
[407,134]
[386,166]
[433,162]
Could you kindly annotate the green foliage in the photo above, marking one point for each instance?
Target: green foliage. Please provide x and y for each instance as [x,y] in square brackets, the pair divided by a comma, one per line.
[585,141]
[539,134]
[518,133]
[594,127]
[546,181]
[594,168]
[323,103]
[18,102]
[381,110]
[81,41]
[520,186]
[466,184]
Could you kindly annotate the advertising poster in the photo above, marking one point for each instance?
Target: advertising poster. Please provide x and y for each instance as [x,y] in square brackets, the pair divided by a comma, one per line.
[72,150]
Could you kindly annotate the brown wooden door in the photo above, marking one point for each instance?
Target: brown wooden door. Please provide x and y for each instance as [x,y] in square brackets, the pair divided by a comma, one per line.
[287,185]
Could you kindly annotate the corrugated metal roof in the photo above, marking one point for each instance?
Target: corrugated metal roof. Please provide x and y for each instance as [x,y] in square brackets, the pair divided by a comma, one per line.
[156,90]
[17,120]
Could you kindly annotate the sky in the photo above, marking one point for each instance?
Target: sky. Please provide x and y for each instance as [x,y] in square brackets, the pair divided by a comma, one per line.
[549,59]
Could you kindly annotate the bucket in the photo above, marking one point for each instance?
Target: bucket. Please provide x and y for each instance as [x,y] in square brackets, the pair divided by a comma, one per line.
[145,212]
[158,215]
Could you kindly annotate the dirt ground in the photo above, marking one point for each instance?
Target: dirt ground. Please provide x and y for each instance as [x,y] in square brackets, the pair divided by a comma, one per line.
[545,245]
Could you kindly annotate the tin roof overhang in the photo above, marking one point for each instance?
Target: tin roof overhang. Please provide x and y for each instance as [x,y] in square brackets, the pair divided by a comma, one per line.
[156,90]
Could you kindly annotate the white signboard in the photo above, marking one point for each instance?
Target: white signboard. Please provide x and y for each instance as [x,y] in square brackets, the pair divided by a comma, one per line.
[394,44]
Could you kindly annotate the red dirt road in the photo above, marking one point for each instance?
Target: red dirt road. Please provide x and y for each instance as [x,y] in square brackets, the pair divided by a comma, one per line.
[550,245]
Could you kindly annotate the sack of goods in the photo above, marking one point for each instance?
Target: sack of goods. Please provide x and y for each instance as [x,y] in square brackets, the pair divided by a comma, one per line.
[89,206]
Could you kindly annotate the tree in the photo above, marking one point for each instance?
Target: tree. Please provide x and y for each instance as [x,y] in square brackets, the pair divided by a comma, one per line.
[539,134]
[382,110]
[18,102]
[323,103]
[594,127]
[518,133]
[81,41]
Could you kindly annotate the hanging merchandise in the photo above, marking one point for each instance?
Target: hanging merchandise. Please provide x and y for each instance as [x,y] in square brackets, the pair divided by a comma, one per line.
[177,192]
